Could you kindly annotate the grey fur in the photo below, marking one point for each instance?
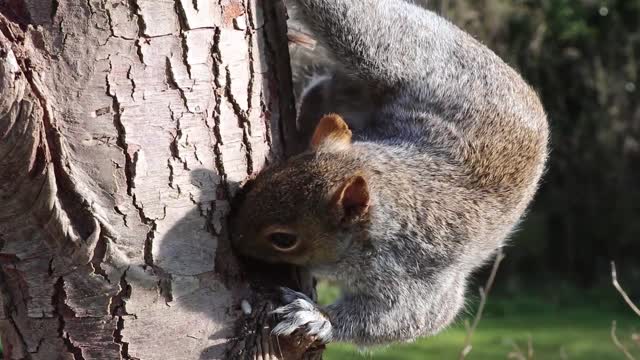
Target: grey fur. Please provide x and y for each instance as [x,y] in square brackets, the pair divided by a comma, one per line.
[453,147]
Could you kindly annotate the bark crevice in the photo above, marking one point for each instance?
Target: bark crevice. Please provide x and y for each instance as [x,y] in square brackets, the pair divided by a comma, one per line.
[62,311]
[118,310]
[99,253]
[243,119]
[121,140]
[217,132]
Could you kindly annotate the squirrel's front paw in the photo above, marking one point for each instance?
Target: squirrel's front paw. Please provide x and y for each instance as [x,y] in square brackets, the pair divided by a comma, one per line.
[302,314]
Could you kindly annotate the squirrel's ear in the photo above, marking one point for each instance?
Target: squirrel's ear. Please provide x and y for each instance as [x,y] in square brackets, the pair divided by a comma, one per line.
[331,130]
[353,198]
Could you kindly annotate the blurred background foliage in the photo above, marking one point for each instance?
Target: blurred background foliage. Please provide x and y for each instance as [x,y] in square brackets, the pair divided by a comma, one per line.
[582,57]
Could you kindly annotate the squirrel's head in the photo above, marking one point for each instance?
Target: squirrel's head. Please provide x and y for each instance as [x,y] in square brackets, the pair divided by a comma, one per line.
[308,210]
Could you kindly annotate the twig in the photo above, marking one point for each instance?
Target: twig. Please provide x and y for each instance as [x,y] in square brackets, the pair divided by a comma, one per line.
[618,344]
[484,293]
[563,353]
[517,353]
[614,279]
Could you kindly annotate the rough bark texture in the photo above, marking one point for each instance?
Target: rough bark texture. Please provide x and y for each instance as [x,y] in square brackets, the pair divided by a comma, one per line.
[126,127]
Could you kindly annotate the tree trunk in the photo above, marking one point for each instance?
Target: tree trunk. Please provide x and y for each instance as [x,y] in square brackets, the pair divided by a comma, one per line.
[126,127]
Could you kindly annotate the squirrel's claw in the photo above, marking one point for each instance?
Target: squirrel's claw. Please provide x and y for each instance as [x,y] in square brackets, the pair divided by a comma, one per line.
[302,314]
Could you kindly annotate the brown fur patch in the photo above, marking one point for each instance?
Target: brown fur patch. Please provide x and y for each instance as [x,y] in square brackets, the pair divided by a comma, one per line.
[331,127]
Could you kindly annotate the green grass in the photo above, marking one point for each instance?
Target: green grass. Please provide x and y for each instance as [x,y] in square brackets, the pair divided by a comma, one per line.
[573,322]
[578,326]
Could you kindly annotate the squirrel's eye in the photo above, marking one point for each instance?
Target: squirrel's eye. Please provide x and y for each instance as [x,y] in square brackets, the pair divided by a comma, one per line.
[283,241]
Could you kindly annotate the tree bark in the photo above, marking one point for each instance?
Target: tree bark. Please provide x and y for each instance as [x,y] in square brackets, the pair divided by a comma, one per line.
[126,128]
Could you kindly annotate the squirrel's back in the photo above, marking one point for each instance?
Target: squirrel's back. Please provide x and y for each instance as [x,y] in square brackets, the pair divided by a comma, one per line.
[442,150]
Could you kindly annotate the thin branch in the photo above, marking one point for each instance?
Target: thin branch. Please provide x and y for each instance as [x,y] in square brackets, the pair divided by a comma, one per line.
[614,279]
[563,353]
[484,293]
[618,344]
[517,353]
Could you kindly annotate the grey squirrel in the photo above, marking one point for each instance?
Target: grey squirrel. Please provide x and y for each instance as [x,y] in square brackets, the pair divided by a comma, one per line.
[401,200]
